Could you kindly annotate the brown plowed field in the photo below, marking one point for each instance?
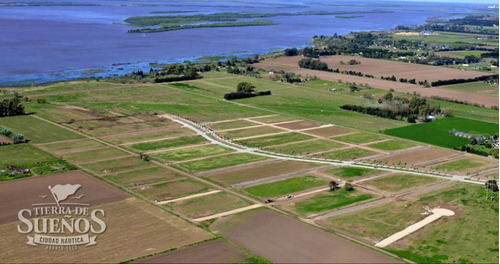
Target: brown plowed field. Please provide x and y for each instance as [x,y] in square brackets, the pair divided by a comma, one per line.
[259,172]
[21,194]
[299,124]
[289,64]
[419,156]
[388,68]
[216,251]
[284,240]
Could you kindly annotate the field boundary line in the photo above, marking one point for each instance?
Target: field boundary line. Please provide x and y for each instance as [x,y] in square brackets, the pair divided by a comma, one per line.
[155,183]
[189,197]
[238,128]
[147,141]
[156,151]
[100,160]
[235,211]
[79,150]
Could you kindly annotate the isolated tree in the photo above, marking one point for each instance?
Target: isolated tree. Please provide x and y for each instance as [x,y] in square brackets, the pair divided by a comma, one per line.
[245,87]
[491,185]
[333,185]
[348,187]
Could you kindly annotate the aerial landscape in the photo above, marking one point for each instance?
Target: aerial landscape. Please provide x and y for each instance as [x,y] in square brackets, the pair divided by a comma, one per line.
[249,131]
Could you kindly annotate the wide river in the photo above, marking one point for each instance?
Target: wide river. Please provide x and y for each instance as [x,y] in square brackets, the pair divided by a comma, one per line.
[50,43]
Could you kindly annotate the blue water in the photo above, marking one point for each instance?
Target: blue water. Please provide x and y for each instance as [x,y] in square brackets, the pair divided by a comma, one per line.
[52,43]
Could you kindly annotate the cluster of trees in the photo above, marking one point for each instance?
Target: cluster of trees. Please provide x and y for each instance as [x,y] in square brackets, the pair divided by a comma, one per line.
[397,108]
[291,52]
[309,63]
[404,80]
[17,138]
[12,106]
[291,77]
[456,81]
[245,90]
[350,62]
[334,185]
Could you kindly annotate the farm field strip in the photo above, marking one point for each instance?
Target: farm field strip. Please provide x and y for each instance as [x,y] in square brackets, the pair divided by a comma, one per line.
[188,197]
[202,158]
[238,128]
[393,153]
[263,135]
[235,211]
[143,185]
[101,160]
[279,177]
[161,150]
[71,151]
[147,141]
[244,118]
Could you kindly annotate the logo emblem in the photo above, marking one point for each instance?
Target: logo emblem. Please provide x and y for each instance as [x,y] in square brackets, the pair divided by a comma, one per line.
[63,224]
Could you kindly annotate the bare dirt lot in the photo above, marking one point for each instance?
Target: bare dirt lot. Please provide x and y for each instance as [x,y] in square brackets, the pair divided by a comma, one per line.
[21,194]
[419,156]
[259,172]
[216,251]
[388,68]
[299,125]
[282,239]
[289,64]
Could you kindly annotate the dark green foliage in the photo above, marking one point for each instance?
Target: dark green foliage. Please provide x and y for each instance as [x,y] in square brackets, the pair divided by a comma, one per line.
[309,63]
[11,107]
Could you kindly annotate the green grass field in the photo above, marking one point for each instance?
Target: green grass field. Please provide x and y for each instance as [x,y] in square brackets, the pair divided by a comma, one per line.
[392,145]
[346,154]
[481,88]
[443,38]
[207,205]
[172,190]
[168,143]
[274,139]
[232,124]
[288,186]
[95,154]
[190,153]
[274,119]
[31,127]
[401,182]
[144,176]
[25,156]
[64,146]
[475,228]
[458,165]
[329,201]
[437,132]
[352,172]
[116,165]
[248,132]
[217,162]
[306,147]
[358,138]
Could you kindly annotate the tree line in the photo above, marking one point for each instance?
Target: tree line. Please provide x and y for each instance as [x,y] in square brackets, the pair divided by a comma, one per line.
[245,90]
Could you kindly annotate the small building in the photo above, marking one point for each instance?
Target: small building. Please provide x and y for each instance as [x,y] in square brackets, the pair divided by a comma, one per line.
[430,118]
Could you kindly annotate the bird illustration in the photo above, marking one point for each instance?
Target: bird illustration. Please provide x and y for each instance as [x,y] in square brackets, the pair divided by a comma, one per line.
[43,196]
[78,197]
